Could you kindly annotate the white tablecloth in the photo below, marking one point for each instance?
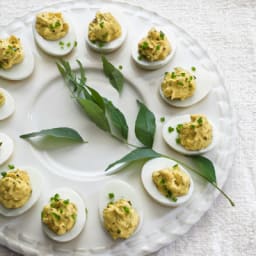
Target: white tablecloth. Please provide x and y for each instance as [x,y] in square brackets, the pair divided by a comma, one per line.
[227,28]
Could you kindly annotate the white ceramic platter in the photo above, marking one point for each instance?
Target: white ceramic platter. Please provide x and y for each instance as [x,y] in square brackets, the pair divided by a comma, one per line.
[43,101]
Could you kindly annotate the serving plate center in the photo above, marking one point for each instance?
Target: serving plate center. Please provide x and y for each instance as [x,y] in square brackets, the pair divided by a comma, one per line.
[54,107]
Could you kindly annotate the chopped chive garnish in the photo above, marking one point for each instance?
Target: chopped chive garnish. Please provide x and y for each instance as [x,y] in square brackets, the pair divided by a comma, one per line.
[162,119]
[178,140]
[170,129]
[192,126]
[144,45]
[158,47]
[68,44]
[193,69]
[55,198]
[66,201]
[162,35]
[54,25]
[75,43]
[179,127]
[200,121]
[120,67]
[169,193]
[61,43]
[126,209]
[162,181]
[56,216]
[111,195]
[180,83]
[102,24]
[173,75]
[174,199]
[139,57]
[165,73]
[11,166]
[183,74]
[74,216]
[3,174]
[175,166]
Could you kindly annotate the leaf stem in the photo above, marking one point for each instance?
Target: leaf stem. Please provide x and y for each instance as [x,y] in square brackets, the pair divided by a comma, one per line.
[124,141]
[224,194]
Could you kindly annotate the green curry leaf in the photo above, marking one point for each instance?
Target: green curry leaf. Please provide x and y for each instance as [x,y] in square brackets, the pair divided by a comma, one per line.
[114,75]
[117,119]
[60,132]
[95,113]
[136,155]
[205,168]
[145,126]
[96,98]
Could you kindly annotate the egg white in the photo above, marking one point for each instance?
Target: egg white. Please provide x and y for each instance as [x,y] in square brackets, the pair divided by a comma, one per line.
[146,176]
[204,83]
[121,190]
[6,149]
[23,69]
[152,65]
[108,47]
[53,48]
[35,181]
[9,106]
[67,193]
[170,137]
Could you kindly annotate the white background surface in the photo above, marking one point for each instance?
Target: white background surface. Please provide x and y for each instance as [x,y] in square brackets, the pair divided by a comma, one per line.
[227,29]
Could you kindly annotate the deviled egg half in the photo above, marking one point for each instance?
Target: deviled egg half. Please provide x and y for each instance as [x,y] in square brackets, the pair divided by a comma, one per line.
[190,134]
[155,50]
[185,87]
[16,58]
[167,182]
[54,33]
[20,188]
[7,104]
[120,210]
[106,32]
[6,148]
[64,216]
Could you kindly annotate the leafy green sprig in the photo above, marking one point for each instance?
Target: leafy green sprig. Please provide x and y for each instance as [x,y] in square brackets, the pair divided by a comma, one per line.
[98,108]
[105,115]
[59,133]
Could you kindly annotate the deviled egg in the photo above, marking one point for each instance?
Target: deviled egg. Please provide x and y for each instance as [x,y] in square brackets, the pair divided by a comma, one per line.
[190,135]
[6,148]
[54,33]
[7,105]
[185,87]
[120,210]
[155,50]
[20,188]
[64,217]
[106,32]
[16,59]
[167,182]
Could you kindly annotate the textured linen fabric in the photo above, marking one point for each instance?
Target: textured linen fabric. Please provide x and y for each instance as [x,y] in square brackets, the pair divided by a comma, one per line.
[227,29]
